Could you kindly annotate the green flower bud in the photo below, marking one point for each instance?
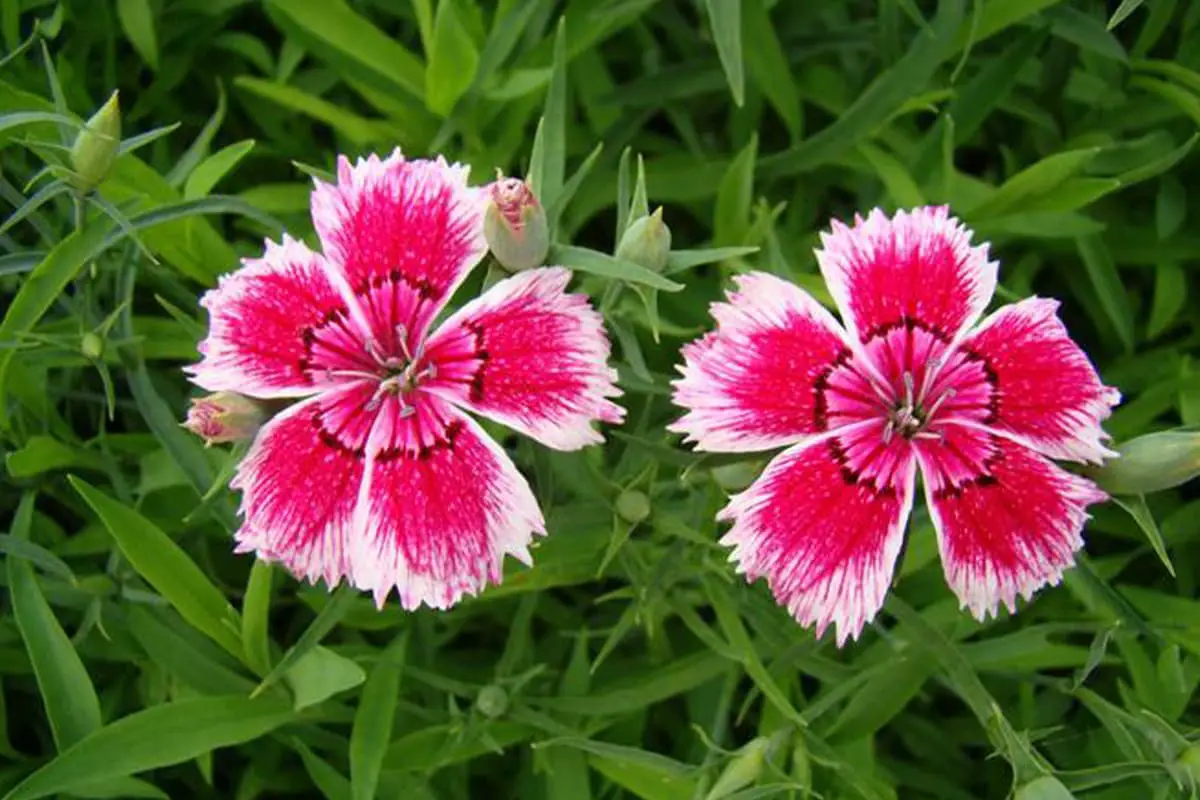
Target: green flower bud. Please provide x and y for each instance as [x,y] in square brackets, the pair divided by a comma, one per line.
[1189,764]
[91,345]
[492,701]
[224,417]
[742,770]
[1151,463]
[633,506]
[515,226]
[95,148]
[735,477]
[1046,787]
[647,242]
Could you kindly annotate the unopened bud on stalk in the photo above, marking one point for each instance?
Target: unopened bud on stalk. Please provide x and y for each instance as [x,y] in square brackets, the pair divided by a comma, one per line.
[515,226]
[96,146]
[91,345]
[1151,463]
[647,242]
[1047,787]
[224,417]
[633,506]
[742,770]
[492,701]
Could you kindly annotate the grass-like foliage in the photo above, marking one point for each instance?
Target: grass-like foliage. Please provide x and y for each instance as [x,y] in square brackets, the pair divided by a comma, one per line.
[140,657]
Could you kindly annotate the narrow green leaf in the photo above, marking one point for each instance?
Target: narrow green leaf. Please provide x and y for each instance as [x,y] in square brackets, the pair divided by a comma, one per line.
[332,783]
[1170,297]
[886,95]
[1136,507]
[209,172]
[768,65]
[372,731]
[1085,31]
[1123,11]
[334,31]
[137,20]
[725,20]
[735,632]
[256,617]
[36,555]
[156,737]
[63,682]
[190,659]
[1032,181]
[41,288]
[43,454]
[901,187]
[320,674]
[453,60]
[731,217]
[167,568]
[326,620]
[1114,300]
[552,164]
[597,263]
[681,260]
[359,130]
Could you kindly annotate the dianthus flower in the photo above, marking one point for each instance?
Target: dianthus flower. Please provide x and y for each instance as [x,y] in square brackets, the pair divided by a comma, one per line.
[377,475]
[910,382]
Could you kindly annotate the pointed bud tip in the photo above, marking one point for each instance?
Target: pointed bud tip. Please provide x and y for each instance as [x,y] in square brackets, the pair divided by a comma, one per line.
[647,242]
[96,146]
[1151,463]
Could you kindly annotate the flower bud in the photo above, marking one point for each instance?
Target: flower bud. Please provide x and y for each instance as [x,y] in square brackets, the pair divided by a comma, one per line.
[96,146]
[742,770]
[224,417]
[633,506]
[1189,764]
[736,476]
[515,226]
[492,701]
[647,242]
[91,345]
[1047,787]
[1151,463]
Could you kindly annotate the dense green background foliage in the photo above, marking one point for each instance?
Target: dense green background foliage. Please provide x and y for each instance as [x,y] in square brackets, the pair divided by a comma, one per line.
[629,662]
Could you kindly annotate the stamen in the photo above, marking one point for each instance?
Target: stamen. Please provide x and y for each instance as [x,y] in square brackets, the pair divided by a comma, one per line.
[407,411]
[946,395]
[931,372]
[908,390]
[402,338]
[374,352]
[935,435]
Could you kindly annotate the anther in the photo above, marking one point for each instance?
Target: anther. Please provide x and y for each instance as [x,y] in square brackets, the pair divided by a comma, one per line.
[407,411]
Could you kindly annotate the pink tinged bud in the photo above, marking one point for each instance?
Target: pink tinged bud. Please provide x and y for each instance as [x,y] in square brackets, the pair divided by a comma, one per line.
[647,242]
[515,225]
[224,417]
[1151,463]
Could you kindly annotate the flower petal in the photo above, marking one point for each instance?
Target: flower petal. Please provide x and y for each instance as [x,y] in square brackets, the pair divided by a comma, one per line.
[1035,384]
[300,482]
[278,327]
[1008,520]
[530,356]
[776,369]
[405,234]
[441,506]
[825,524]
[917,266]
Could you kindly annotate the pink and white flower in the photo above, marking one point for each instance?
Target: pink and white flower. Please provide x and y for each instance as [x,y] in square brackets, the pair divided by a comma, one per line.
[377,475]
[910,382]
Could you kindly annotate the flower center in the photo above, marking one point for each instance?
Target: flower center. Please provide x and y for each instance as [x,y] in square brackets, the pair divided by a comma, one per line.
[910,416]
[398,375]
